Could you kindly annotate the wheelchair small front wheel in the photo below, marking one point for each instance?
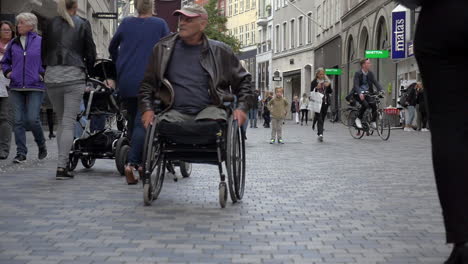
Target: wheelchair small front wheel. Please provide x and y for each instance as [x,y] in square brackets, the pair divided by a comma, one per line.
[222,194]
[185,169]
[147,194]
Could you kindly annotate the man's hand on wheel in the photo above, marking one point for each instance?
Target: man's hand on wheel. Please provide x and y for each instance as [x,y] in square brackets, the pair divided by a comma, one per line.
[147,118]
[240,116]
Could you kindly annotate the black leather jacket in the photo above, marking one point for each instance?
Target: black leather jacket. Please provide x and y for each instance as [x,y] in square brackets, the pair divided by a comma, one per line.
[227,76]
[64,45]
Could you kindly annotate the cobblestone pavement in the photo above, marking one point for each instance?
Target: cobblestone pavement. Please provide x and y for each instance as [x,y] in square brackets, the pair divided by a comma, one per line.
[340,201]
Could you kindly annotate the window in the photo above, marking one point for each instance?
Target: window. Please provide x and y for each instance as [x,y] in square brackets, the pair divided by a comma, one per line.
[253,5]
[277,37]
[241,6]
[309,28]
[235,7]
[285,35]
[247,5]
[230,8]
[241,35]
[293,34]
[319,18]
[300,33]
[252,28]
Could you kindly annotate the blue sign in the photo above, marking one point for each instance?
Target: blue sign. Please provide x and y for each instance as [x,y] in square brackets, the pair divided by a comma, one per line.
[399,35]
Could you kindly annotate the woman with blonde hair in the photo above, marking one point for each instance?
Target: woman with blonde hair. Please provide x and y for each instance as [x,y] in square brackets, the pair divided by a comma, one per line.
[130,49]
[22,64]
[321,84]
[69,52]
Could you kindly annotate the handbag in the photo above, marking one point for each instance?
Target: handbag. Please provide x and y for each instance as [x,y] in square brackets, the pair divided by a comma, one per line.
[316,99]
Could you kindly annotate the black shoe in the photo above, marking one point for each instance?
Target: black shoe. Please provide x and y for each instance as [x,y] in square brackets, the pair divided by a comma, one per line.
[51,135]
[63,174]
[42,152]
[459,254]
[3,156]
[19,158]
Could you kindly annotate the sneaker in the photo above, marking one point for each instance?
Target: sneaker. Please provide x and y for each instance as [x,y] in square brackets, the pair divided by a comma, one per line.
[3,156]
[63,174]
[424,130]
[358,123]
[42,153]
[19,158]
[408,129]
[373,125]
[320,138]
[280,141]
[272,141]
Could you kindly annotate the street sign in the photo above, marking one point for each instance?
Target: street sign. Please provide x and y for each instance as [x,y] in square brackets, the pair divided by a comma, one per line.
[400,32]
[105,15]
[333,71]
[377,54]
[277,79]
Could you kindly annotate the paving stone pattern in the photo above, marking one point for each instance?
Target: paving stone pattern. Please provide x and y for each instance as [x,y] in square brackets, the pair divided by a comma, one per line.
[340,201]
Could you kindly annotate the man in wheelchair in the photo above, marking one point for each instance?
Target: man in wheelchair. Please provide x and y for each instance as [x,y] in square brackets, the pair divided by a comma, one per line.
[193,83]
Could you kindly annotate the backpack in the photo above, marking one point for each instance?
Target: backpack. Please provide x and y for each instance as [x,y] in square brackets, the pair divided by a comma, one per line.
[404,99]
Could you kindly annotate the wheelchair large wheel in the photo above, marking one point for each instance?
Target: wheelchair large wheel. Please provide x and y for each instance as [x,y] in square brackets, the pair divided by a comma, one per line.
[353,129]
[88,162]
[154,167]
[232,134]
[121,152]
[185,169]
[239,181]
[235,161]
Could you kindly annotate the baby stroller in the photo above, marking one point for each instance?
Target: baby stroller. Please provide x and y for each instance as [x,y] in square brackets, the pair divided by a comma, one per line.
[104,133]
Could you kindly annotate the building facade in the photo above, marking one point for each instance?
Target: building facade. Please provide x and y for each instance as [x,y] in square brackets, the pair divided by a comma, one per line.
[264,58]
[103,29]
[293,45]
[242,24]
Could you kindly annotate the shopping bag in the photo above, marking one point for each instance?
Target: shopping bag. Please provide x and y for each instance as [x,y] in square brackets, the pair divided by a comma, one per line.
[316,99]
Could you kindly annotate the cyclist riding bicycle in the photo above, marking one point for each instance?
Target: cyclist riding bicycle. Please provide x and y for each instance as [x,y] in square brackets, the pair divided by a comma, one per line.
[364,81]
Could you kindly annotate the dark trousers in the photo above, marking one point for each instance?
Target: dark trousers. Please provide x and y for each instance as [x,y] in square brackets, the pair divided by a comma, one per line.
[319,119]
[50,119]
[443,65]
[368,102]
[304,114]
[266,119]
[136,131]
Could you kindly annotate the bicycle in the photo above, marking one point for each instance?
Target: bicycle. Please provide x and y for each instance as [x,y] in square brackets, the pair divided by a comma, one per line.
[382,123]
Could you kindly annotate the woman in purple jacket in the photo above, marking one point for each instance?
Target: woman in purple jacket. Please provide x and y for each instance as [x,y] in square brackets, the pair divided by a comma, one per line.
[22,64]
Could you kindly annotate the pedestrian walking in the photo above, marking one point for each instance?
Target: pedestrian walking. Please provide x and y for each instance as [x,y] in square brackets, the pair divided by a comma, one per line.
[321,84]
[266,111]
[421,108]
[304,108]
[443,66]
[279,109]
[6,110]
[295,109]
[410,107]
[131,45]
[69,51]
[253,112]
[22,64]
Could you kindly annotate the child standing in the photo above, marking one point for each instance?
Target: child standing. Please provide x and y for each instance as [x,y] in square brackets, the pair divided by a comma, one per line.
[278,107]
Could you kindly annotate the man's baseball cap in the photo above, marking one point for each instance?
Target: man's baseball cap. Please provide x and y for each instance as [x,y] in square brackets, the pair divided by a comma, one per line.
[192,11]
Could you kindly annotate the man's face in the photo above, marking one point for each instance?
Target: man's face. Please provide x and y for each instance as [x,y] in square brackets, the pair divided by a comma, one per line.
[367,65]
[191,26]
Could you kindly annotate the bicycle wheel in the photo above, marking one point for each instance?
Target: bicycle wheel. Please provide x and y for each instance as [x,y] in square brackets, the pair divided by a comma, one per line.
[383,127]
[353,129]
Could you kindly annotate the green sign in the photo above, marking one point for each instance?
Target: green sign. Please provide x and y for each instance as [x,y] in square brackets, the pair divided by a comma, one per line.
[377,54]
[333,71]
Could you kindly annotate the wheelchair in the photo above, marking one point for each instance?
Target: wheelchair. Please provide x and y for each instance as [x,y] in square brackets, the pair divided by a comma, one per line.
[104,133]
[202,142]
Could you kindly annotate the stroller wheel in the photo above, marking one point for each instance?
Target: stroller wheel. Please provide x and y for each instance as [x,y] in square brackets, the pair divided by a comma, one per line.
[88,162]
[121,158]
[72,162]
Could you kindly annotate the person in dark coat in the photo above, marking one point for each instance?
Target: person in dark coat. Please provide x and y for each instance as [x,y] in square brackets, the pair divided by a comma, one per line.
[443,65]
[421,108]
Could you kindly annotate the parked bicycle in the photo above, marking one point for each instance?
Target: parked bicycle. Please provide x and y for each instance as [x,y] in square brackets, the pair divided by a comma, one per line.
[382,122]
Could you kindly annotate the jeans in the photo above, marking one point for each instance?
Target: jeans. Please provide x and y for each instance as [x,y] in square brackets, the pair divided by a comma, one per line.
[443,69]
[366,103]
[136,131]
[253,117]
[66,99]
[6,125]
[27,105]
[410,112]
